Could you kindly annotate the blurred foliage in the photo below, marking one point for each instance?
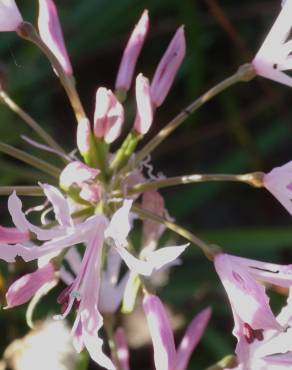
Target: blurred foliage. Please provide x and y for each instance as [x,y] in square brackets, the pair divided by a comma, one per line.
[246,128]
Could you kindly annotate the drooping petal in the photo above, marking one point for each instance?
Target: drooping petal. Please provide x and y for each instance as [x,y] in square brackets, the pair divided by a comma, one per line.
[168,67]
[131,53]
[11,235]
[10,17]
[144,115]
[247,297]
[165,255]
[122,348]
[51,33]
[24,288]
[161,333]
[191,338]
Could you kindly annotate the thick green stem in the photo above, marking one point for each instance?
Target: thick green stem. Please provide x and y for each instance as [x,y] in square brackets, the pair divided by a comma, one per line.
[209,250]
[28,32]
[29,159]
[254,179]
[6,99]
[244,73]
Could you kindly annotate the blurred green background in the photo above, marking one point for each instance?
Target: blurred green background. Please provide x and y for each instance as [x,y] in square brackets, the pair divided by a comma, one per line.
[246,128]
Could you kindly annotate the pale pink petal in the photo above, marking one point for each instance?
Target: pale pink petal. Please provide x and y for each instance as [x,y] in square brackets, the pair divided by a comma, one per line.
[131,53]
[78,338]
[83,136]
[165,255]
[136,265]
[77,173]
[20,221]
[122,348]
[74,260]
[168,67]
[11,235]
[51,33]
[161,333]
[191,338]
[272,57]
[10,17]
[59,203]
[144,115]
[247,297]
[102,106]
[24,288]
[66,276]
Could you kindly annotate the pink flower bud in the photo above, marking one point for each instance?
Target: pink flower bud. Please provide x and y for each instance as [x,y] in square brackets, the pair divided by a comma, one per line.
[108,116]
[167,68]
[131,53]
[24,288]
[122,348]
[11,235]
[77,173]
[144,116]
[10,17]
[51,33]
[83,136]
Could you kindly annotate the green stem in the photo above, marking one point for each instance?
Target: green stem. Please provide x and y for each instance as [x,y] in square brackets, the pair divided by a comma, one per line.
[245,73]
[29,159]
[22,190]
[27,31]
[6,99]
[209,250]
[254,179]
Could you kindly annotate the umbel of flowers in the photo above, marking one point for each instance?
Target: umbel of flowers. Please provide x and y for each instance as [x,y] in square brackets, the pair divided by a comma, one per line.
[101,193]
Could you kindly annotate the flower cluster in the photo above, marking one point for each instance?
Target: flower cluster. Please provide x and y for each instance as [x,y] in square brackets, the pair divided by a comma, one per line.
[101,194]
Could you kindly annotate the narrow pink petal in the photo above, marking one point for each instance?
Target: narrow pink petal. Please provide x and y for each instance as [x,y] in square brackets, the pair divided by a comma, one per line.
[131,53]
[247,297]
[24,288]
[77,172]
[161,333]
[122,348]
[51,33]
[144,115]
[10,17]
[191,338]
[102,106]
[136,265]
[74,259]
[83,136]
[164,256]
[59,203]
[11,235]
[168,67]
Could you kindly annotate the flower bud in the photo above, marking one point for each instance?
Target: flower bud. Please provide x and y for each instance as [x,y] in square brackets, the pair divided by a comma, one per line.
[144,116]
[10,17]
[83,136]
[167,68]
[131,53]
[24,288]
[51,33]
[108,116]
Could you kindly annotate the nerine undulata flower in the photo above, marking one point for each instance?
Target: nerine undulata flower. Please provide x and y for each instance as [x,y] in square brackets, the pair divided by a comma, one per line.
[269,349]
[279,183]
[144,115]
[108,116]
[10,17]
[166,357]
[131,53]
[22,290]
[274,56]
[51,33]
[167,68]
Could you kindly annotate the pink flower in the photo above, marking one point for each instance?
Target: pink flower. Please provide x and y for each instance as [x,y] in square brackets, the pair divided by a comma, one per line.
[241,278]
[274,56]
[24,288]
[51,33]
[279,183]
[166,357]
[12,235]
[144,116]
[108,116]
[167,68]
[10,17]
[131,53]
